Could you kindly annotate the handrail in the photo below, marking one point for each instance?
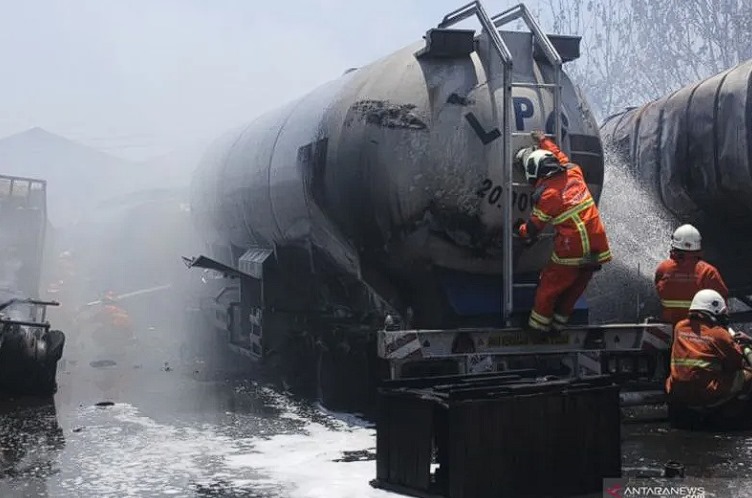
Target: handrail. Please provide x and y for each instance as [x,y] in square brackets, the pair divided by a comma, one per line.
[545,42]
[520,10]
[489,26]
[476,9]
[505,57]
[540,37]
[458,15]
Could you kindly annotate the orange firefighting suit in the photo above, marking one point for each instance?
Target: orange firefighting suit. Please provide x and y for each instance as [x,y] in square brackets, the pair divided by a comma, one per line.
[580,244]
[679,278]
[116,317]
[707,365]
[112,318]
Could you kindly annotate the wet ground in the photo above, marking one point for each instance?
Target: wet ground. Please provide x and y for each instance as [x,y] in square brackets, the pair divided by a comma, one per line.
[160,431]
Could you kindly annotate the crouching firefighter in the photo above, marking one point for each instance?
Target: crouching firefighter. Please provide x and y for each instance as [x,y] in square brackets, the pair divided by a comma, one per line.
[708,365]
[680,277]
[560,197]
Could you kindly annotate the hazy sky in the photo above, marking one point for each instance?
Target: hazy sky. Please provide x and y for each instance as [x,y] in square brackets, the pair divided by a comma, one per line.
[140,77]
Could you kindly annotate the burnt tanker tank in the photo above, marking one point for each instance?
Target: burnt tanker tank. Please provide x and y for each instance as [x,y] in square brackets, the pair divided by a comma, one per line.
[380,192]
[692,150]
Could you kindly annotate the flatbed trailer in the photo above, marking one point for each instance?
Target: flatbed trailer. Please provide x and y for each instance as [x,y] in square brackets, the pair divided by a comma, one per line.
[635,355]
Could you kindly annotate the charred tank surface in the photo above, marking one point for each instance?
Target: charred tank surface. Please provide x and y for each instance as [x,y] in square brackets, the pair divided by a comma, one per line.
[692,150]
[379,192]
[387,174]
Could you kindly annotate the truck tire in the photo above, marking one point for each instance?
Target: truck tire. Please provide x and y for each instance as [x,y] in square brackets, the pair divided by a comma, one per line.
[28,361]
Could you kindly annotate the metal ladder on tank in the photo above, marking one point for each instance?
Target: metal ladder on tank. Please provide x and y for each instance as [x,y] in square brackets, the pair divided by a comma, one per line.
[490,26]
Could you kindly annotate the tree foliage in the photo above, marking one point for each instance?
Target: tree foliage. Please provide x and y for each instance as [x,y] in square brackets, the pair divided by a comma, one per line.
[637,50]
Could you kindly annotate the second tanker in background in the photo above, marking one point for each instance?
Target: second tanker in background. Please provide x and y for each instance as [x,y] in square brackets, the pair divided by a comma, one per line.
[692,151]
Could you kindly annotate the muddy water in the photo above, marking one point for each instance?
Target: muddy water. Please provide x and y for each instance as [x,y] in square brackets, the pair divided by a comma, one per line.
[169,434]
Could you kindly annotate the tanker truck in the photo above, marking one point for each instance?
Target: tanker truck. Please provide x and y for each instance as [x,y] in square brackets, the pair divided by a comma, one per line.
[363,231]
[692,152]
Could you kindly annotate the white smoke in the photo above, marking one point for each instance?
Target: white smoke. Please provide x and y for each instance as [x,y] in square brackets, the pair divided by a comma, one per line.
[10,266]
[639,231]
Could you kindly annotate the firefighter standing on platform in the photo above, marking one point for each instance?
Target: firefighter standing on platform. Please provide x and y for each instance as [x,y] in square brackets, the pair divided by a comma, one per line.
[561,198]
[680,277]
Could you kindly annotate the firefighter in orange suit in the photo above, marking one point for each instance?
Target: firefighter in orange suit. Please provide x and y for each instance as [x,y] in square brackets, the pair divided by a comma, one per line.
[113,315]
[680,277]
[561,197]
[707,364]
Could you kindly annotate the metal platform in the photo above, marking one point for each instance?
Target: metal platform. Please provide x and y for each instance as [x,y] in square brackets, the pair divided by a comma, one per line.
[628,351]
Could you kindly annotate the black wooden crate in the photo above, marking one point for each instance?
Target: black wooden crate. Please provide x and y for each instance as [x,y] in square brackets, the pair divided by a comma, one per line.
[499,436]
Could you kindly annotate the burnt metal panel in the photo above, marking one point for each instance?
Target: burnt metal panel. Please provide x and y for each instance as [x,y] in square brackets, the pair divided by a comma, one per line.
[212,264]
[567,46]
[448,43]
[252,261]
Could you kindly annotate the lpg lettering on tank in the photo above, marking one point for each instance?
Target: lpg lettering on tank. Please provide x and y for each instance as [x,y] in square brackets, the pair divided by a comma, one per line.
[525,109]
[485,137]
[492,193]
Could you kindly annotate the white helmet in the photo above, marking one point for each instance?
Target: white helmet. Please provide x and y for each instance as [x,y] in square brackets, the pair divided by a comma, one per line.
[521,157]
[710,301]
[686,238]
[534,161]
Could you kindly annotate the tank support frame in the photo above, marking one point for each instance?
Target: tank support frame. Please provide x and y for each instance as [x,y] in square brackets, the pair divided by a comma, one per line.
[630,352]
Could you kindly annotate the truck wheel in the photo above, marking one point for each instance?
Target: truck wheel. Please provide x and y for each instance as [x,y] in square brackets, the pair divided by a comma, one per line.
[28,361]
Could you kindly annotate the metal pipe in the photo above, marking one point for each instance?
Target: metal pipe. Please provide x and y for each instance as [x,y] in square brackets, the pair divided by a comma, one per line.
[535,85]
[557,105]
[474,3]
[548,49]
[477,9]
[506,16]
[506,19]
[450,18]
[545,42]
[505,56]
[507,264]
[499,46]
